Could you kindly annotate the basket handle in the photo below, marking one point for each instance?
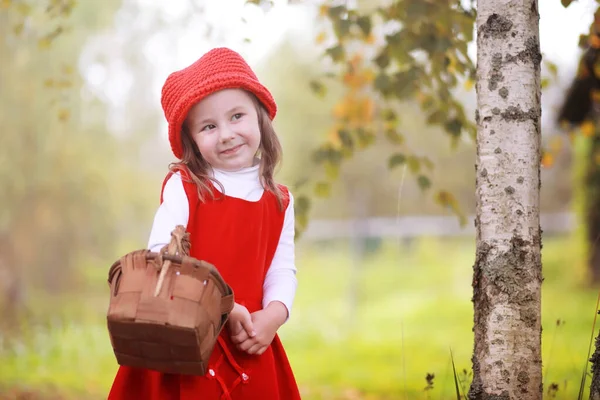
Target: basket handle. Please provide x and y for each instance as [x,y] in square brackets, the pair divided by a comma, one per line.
[179,244]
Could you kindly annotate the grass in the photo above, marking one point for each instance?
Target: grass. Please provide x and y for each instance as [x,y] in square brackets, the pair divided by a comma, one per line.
[359,330]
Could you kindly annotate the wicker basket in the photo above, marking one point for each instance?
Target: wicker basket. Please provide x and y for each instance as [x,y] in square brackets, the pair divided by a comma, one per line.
[166,309]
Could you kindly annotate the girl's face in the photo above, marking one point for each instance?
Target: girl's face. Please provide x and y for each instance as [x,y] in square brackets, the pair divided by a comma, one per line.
[224,125]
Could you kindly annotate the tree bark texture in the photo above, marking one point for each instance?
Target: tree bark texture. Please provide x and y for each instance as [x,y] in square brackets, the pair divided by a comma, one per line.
[507,274]
[595,384]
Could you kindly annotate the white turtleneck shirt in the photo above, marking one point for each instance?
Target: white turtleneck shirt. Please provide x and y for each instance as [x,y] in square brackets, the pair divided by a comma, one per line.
[280,282]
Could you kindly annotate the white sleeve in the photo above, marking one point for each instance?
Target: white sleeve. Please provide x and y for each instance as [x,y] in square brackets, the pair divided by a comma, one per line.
[280,283]
[173,211]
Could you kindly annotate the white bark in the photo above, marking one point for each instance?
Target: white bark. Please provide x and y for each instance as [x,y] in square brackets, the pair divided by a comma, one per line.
[507,270]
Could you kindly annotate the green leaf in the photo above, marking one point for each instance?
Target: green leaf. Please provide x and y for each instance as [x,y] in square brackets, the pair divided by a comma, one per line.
[458,397]
[428,103]
[405,83]
[394,137]
[566,3]
[318,88]
[336,12]
[427,163]
[545,83]
[552,67]
[389,115]
[332,171]
[413,164]
[396,160]
[364,23]
[424,182]
[327,153]
[341,27]
[383,59]
[365,138]
[383,83]
[346,139]
[301,204]
[322,189]
[299,183]
[454,127]
[337,53]
[436,117]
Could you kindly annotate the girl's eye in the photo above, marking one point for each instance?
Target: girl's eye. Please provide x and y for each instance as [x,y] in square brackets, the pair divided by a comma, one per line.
[236,116]
[208,127]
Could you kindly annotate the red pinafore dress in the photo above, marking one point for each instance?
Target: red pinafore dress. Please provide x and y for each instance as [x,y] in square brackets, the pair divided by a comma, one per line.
[239,238]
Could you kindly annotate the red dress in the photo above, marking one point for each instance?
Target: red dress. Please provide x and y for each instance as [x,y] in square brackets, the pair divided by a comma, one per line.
[239,237]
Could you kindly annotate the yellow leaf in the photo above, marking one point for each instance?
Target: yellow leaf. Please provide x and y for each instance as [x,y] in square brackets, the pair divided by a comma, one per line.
[18,28]
[571,135]
[583,71]
[587,128]
[368,75]
[44,43]
[332,171]
[366,109]
[63,115]
[339,110]
[323,189]
[556,144]
[5,3]
[547,160]
[468,85]
[594,41]
[49,82]
[596,69]
[334,138]
[323,10]
[356,60]
[321,38]
[67,69]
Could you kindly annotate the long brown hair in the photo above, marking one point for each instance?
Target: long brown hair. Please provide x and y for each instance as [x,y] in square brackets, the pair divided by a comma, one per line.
[269,151]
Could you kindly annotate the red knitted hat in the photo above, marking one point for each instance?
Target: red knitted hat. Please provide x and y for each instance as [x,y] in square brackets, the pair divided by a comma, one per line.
[220,68]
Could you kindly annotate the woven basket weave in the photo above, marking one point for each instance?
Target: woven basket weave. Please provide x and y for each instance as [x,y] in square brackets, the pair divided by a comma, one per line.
[166,309]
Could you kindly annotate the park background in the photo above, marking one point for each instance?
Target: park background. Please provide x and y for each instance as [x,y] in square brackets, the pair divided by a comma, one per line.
[384,271]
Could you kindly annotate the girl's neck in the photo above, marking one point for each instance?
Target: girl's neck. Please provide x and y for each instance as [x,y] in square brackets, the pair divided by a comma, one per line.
[244,183]
[251,169]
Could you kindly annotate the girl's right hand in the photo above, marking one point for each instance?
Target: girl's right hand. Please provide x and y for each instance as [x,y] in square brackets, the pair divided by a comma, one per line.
[240,324]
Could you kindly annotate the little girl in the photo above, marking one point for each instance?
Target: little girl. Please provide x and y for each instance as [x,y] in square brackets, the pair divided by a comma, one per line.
[239,220]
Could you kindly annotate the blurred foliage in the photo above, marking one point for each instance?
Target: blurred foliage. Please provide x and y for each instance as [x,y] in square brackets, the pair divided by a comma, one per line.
[387,54]
[413,307]
[56,157]
[579,116]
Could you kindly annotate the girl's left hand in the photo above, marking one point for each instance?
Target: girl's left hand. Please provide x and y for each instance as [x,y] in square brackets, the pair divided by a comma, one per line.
[266,323]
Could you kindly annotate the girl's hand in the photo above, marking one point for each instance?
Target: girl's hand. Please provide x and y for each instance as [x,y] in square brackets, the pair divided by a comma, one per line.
[240,324]
[266,323]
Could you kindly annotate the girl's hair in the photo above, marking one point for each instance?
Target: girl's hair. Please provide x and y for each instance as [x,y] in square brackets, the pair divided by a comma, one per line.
[198,169]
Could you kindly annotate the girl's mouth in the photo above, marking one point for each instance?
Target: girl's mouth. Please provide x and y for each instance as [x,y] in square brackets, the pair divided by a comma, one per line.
[232,150]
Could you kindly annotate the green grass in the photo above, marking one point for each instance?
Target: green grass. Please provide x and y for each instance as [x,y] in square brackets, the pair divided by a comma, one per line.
[411,307]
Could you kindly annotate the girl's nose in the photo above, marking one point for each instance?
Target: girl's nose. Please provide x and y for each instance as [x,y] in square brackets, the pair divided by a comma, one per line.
[226,134]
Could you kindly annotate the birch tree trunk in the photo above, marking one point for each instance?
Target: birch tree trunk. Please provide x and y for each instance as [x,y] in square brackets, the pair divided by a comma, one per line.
[507,274]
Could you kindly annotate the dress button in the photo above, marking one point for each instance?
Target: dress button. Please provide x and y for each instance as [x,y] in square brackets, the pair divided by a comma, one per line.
[211,372]
[245,377]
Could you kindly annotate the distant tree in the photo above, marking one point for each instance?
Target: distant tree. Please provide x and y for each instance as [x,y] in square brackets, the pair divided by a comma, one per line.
[53,162]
